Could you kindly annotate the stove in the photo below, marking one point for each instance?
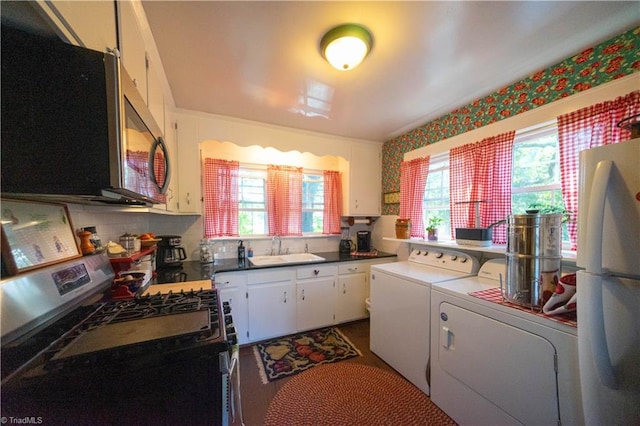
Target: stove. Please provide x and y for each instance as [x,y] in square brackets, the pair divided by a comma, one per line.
[164,358]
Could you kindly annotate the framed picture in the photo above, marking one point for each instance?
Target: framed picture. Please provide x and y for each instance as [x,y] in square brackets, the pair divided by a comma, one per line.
[35,234]
[392,197]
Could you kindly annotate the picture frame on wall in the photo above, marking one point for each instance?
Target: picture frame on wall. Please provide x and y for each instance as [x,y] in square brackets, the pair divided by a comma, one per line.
[35,234]
[392,198]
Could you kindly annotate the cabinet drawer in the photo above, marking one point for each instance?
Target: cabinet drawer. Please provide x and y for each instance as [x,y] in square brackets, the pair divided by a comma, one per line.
[352,268]
[223,280]
[315,271]
[270,276]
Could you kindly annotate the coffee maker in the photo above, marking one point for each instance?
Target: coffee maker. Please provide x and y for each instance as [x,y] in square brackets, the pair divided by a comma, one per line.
[345,242]
[170,254]
[364,241]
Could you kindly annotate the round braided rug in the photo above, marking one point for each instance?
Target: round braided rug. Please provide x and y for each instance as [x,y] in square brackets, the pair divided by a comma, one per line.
[352,394]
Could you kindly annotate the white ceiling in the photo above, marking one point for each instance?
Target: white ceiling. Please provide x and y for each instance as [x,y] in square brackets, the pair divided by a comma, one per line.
[260,60]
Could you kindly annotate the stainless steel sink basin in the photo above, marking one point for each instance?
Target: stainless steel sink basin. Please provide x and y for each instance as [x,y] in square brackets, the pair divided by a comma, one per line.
[284,259]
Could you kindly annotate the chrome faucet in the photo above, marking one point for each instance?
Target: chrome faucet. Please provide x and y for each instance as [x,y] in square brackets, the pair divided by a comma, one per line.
[273,240]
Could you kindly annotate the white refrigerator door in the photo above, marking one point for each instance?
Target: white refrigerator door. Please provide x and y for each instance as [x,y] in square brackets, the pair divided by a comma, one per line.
[609,348]
[609,209]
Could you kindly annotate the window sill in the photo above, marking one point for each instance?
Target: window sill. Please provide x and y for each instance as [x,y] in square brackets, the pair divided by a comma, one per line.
[567,255]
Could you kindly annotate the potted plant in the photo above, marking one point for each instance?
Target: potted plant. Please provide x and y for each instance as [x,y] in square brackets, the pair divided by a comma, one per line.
[432,228]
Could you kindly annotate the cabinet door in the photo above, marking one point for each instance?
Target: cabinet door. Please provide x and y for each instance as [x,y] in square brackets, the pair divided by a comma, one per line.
[272,310]
[155,95]
[91,24]
[132,48]
[315,303]
[189,165]
[364,190]
[172,190]
[233,289]
[352,292]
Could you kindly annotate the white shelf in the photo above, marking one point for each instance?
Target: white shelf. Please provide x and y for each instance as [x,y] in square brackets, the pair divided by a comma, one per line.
[567,256]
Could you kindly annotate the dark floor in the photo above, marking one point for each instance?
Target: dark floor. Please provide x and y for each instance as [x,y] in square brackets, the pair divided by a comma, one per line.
[257,396]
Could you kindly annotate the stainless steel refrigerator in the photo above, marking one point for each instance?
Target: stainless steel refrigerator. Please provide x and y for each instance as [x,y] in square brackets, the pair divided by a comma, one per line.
[608,286]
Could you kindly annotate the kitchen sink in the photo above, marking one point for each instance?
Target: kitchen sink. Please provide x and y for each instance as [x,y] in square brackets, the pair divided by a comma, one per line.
[284,259]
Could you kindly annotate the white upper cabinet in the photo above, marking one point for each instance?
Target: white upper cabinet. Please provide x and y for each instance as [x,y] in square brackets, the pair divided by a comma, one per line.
[361,184]
[170,136]
[189,174]
[90,24]
[145,71]
[155,95]
[132,48]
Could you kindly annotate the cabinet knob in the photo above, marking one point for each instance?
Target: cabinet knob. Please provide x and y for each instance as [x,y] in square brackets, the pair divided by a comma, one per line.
[316,272]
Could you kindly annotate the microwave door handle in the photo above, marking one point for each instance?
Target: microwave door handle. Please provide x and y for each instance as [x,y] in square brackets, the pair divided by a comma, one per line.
[159,142]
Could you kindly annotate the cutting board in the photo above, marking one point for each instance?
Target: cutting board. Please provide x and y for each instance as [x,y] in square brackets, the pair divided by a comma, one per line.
[177,287]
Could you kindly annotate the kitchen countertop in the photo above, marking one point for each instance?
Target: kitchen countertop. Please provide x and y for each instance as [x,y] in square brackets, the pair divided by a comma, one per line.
[195,270]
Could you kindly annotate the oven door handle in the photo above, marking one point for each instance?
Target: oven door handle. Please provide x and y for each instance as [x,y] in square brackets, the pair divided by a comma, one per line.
[234,381]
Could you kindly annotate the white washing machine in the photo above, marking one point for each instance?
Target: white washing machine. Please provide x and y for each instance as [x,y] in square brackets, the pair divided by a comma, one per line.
[400,306]
[492,363]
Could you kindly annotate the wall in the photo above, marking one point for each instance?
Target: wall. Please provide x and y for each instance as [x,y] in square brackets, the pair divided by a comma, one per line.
[593,67]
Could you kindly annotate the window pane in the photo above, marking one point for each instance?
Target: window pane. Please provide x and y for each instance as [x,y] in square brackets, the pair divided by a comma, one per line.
[436,195]
[252,202]
[312,203]
[535,162]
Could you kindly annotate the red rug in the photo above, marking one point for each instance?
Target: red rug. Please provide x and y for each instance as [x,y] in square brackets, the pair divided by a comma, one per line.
[352,394]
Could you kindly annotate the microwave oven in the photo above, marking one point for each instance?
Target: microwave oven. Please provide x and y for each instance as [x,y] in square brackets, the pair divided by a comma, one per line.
[74,126]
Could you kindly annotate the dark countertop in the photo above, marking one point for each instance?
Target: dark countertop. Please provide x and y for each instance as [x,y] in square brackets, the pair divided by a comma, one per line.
[195,270]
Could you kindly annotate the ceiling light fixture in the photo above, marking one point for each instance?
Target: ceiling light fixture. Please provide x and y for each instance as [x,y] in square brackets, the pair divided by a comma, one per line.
[345,46]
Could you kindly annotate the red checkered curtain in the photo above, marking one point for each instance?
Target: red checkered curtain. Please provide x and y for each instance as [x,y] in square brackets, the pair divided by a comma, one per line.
[332,202]
[284,200]
[586,128]
[413,179]
[482,171]
[221,179]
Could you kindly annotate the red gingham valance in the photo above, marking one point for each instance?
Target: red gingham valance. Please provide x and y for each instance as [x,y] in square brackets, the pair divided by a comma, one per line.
[586,128]
[482,171]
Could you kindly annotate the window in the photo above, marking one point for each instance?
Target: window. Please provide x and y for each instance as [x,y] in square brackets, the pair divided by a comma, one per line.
[312,203]
[252,206]
[252,209]
[536,179]
[536,173]
[436,194]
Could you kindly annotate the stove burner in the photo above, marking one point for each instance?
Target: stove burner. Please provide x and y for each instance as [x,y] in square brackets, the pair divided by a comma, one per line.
[143,307]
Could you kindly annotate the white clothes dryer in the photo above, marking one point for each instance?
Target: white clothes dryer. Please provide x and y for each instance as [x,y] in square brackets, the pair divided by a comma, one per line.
[495,363]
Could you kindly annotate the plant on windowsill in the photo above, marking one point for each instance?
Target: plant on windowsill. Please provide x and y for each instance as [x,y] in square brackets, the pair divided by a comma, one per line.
[432,228]
[546,208]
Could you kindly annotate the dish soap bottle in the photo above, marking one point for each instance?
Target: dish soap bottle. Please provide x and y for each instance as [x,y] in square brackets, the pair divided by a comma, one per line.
[241,254]
[249,251]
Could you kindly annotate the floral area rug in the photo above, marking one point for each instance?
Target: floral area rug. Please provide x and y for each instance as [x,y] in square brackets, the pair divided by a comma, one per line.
[289,355]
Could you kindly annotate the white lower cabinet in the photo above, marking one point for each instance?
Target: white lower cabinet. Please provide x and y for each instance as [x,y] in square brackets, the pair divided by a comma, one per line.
[271,303]
[315,302]
[233,289]
[353,289]
[284,300]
